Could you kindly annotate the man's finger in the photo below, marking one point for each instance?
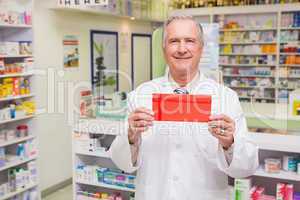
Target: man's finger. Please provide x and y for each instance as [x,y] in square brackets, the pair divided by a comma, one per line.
[221,117]
[141,116]
[142,123]
[144,110]
[219,124]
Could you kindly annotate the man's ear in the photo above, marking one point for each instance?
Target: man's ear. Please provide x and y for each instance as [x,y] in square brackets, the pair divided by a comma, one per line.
[164,51]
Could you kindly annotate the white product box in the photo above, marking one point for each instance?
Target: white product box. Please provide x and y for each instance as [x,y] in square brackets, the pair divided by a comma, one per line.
[9,48]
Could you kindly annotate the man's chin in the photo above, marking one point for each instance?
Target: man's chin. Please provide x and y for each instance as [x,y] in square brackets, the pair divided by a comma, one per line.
[183,68]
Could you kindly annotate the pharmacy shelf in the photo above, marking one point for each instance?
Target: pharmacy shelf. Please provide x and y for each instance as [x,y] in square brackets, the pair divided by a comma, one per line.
[17,163]
[251,87]
[248,29]
[246,65]
[256,98]
[104,185]
[18,32]
[17,141]
[17,119]
[12,194]
[16,97]
[290,28]
[248,54]
[292,54]
[286,88]
[15,26]
[289,77]
[246,43]
[292,41]
[276,142]
[292,176]
[15,56]
[289,65]
[254,76]
[104,154]
[16,75]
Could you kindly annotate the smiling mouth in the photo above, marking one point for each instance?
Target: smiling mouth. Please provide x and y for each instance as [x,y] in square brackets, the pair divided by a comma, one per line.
[182,58]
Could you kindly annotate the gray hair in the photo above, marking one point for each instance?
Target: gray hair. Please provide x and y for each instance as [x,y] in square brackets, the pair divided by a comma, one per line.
[181,17]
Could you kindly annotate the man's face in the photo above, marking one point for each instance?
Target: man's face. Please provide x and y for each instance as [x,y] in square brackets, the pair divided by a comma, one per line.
[183,48]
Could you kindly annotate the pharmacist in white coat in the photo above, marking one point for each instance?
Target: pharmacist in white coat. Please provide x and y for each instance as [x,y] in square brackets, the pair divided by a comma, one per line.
[184,160]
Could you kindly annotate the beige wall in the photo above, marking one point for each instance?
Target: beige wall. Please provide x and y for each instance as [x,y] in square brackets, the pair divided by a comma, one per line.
[53,127]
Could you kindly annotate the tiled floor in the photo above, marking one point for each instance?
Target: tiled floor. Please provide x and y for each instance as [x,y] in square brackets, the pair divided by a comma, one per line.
[63,194]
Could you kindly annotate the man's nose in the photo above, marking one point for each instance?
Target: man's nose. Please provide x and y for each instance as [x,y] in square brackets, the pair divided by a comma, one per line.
[182,47]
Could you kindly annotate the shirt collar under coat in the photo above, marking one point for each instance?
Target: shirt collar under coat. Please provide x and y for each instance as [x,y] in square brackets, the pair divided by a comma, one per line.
[168,81]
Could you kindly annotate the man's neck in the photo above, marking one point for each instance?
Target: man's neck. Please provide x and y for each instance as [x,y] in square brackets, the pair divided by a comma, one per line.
[185,79]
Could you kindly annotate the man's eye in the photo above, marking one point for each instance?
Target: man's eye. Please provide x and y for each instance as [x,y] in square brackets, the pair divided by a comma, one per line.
[173,41]
[190,41]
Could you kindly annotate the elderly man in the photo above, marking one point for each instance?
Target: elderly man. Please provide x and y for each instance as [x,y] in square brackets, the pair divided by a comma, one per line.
[179,160]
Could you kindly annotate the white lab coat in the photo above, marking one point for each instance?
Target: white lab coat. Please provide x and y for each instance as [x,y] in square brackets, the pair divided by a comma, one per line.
[182,160]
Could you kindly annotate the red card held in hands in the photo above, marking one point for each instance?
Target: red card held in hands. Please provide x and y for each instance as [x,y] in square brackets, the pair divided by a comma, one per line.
[181,107]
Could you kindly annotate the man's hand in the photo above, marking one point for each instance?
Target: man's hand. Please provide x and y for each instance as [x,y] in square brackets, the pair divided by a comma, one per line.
[222,127]
[139,121]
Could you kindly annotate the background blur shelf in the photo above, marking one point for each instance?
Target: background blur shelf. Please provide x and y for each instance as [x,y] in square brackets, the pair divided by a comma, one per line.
[15,26]
[17,119]
[17,97]
[16,75]
[276,142]
[255,76]
[246,65]
[18,140]
[292,176]
[113,187]
[17,163]
[15,56]
[248,29]
[290,28]
[12,194]
[247,43]
[249,54]
[104,154]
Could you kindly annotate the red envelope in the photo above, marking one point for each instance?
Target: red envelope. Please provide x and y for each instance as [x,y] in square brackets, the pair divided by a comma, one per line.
[181,107]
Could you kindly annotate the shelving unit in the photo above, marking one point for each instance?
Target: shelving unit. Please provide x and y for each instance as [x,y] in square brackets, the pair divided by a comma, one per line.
[16,97]
[243,54]
[283,175]
[260,76]
[94,154]
[15,56]
[17,163]
[107,186]
[17,141]
[16,119]
[16,75]
[255,22]
[245,65]
[246,43]
[247,29]
[12,194]
[265,141]
[19,33]
[84,132]
[15,26]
